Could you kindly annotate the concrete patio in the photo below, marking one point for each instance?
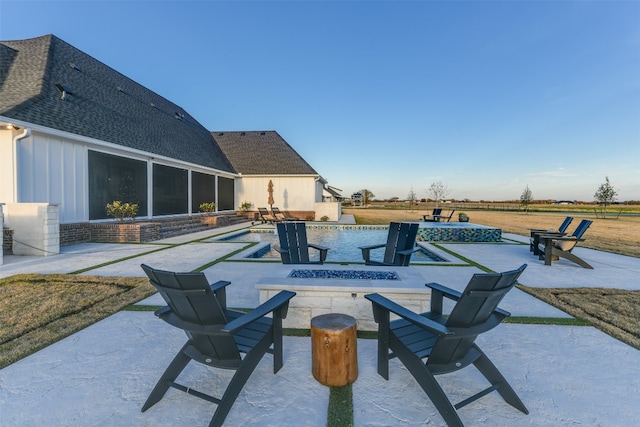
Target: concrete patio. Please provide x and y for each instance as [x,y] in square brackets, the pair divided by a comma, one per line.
[100,376]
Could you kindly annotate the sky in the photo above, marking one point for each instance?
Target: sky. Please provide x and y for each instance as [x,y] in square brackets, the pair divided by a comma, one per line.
[486,97]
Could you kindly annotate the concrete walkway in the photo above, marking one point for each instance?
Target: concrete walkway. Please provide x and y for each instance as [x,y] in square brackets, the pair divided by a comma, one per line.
[101,375]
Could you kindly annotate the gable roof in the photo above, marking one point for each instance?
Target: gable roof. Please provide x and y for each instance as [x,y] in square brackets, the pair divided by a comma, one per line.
[99,103]
[261,153]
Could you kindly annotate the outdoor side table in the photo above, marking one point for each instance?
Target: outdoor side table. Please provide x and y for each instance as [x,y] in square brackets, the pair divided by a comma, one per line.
[334,349]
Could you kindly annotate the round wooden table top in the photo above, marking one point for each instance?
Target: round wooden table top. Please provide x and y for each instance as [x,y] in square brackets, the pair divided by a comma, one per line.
[333,322]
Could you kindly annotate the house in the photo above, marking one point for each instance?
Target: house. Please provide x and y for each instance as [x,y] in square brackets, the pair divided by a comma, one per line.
[78,134]
[263,156]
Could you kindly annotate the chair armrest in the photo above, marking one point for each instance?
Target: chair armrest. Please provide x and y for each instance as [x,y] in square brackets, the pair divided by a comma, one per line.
[381,245]
[418,320]
[279,301]
[323,251]
[219,285]
[366,251]
[318,247]
[409,251]
[445,291]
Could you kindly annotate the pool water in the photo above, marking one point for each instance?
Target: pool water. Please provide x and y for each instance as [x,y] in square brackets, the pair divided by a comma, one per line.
[343,243]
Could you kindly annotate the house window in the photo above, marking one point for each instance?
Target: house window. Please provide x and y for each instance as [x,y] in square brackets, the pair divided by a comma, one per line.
[226,193]
[170,190]
[203,190]
[115,178]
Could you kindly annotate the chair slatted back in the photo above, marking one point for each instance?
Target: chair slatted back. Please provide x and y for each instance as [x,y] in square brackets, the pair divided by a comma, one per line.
[581,228]
[402,236]
[474,308]
[190,298]
[565,224]
[293,239]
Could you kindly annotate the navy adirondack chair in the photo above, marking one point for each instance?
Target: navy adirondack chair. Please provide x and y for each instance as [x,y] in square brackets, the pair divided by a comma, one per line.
[536,232]
[435,214]
[401,244]
[294,247]
[217,336]
[447,343]
[561,246]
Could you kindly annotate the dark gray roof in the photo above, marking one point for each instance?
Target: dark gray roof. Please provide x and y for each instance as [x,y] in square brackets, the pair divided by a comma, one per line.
[262,153]
[101,103]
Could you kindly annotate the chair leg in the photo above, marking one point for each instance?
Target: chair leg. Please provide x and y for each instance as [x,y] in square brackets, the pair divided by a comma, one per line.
[418,369]
[493,375]
[571,257]
[170,374]
[238,381]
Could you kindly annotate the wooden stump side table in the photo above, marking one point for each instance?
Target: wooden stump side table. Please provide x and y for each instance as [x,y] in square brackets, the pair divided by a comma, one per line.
[334,349]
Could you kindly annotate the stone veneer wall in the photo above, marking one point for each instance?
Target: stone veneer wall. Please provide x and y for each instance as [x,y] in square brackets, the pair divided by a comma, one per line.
[7,241]
[116,232]
[36,228]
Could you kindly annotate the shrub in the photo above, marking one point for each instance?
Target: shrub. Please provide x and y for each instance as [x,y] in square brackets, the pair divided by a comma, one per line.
[462,217]
[324,218]
[122,211]
[208,207]
[245,206]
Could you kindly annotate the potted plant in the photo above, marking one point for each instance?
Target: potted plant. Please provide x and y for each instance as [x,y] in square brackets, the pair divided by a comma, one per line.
[122,211]
[209,207]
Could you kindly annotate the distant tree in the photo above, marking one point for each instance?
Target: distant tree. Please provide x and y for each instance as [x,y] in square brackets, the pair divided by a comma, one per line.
[412,198]
[438,191]
[526,198]
[367,196]
[394,200]
[605,195]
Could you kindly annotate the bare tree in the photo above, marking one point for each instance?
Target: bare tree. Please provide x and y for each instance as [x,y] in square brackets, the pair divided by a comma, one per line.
[412,199]
[367,196]
[605,195]
[526,198]
[438,191]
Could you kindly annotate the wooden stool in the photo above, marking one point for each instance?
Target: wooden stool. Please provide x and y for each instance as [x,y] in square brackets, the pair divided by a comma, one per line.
[334,349]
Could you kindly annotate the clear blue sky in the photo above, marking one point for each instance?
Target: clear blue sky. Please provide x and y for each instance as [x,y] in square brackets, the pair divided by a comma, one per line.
[485,96]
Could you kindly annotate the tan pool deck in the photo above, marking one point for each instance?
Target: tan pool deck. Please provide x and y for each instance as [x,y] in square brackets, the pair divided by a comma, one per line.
[100,376]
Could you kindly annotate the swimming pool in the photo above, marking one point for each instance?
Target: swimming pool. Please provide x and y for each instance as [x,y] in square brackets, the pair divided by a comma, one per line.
[343,242]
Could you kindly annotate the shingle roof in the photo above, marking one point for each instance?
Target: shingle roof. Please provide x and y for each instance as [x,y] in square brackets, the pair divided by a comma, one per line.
[262,153]
[101,103]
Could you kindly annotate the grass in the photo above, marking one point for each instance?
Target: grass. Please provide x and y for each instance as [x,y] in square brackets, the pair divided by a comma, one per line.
[38,310]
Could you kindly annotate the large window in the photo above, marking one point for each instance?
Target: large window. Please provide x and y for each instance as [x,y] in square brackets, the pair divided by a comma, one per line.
[170,190]
[203,190]
[226,194]
[115,178]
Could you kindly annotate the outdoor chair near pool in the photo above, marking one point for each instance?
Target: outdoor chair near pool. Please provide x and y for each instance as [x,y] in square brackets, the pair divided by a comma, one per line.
[294,247]
[536,232]
[282,216]
[217,336]
[447,343]
[445,218]
[435,214]
[554,245]
[266,217]
[401,244]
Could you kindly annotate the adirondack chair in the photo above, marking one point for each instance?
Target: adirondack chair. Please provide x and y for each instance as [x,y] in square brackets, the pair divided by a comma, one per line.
[448,344]
[294,247]
[561,246]
[265,216]
[216,335]
[534,240]
[281,216]
[401,244]
[445,218]
[434,214]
